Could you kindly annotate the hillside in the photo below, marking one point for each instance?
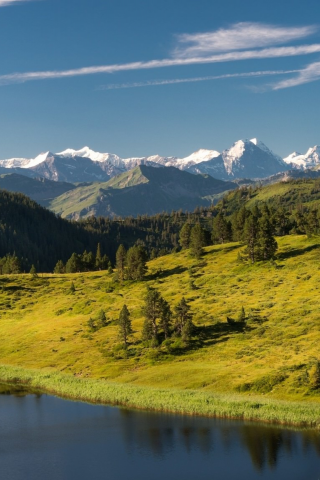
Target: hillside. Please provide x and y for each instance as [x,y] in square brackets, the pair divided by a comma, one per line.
[272,353]
[291,194]
[39,189]
[143,190]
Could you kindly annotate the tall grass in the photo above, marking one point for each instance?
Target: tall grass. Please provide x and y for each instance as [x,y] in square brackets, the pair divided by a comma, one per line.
[166,400]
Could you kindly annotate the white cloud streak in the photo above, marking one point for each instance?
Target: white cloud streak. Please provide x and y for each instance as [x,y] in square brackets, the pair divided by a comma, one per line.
[6,3]
[241,36]
[172,62]
[173,81]
[311,73]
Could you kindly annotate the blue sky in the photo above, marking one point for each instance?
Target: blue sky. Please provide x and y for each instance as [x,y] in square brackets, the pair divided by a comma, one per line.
[143,77]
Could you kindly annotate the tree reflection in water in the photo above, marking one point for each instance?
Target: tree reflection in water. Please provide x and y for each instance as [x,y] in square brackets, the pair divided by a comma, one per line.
[265,444]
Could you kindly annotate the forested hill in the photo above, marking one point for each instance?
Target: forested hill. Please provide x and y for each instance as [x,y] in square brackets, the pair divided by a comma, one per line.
[37,236]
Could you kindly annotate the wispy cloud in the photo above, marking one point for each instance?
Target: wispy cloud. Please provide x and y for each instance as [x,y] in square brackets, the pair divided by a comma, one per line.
[241,36]
[311,73]
[6,3]
[223,57]
[152,83]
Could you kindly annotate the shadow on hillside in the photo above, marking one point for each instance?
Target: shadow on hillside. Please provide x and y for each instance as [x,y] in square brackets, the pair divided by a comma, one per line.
[224,249]
[296,252]
[218,333]
[160,274]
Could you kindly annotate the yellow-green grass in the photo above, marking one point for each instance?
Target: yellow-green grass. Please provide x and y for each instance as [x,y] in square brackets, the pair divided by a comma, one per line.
[43,326]
[187,402]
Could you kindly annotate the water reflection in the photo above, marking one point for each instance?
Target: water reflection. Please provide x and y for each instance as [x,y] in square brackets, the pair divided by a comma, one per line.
[265,444]
[46,424]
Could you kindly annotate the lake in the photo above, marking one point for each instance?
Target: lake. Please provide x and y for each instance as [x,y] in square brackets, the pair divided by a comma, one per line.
[44,437]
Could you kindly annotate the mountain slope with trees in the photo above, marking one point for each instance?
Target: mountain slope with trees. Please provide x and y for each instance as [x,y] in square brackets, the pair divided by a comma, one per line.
[143,190]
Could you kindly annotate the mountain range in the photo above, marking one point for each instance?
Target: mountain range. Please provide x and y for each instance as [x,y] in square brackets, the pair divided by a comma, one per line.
[244,159]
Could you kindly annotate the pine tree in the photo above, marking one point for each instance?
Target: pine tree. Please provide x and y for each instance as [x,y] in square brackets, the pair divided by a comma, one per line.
[250,237]
[184,236]
[183,319]
[197,241]
[110,269]
[266,243]
[124,322]
[121,260]
[33,271]
[152,312]
[98,259]
[73,265]
[221,229]
[136,262]
[165,317]
[59,268]
[102,319]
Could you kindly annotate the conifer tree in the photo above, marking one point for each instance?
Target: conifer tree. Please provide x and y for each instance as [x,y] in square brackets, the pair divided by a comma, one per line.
[136,262]
[197,241]
[73,265]
[165,317]
[121,260]
[183,319]
[59,268]
[221,229]
[102,319]
[124,322]
[152,312]
[98,259]
[266,243]
[250,236]
[110,269]
[33,271]
[184,236]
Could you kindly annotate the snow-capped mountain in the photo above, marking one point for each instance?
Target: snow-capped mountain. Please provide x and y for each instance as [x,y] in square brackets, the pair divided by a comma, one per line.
[244,159]
[309,160]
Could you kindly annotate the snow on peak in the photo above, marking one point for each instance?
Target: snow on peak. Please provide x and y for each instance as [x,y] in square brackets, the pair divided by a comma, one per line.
[201,155]
[310,159]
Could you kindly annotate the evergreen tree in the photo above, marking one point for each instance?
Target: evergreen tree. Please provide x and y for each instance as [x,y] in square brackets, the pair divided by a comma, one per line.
[239,223]
[59,268]
[197,241]
[110,269]
[33,271]
[184,236]
[222,231]
[124,323]
[73,265]
[87,262]
[165,317]
[152,312]
[266,243]
[183,319]
[250,237]
[98,259]
[136,262]
[102,319]
[121,260]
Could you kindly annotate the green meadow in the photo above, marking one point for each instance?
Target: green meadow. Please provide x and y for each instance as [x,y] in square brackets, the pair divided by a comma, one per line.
[263,368]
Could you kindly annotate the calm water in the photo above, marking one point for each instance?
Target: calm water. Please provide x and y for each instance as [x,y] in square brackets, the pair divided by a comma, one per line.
[47,438]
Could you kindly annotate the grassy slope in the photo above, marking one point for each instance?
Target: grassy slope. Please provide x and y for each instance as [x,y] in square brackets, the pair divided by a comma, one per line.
[44,326]
[286,194]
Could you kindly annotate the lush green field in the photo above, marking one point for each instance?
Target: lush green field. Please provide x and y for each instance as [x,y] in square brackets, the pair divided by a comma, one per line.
[44,326]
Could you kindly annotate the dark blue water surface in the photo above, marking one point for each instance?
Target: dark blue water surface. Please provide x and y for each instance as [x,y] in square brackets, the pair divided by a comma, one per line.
[44,437]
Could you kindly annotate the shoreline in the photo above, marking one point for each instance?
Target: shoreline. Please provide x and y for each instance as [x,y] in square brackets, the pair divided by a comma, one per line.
[183,402]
